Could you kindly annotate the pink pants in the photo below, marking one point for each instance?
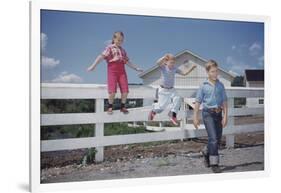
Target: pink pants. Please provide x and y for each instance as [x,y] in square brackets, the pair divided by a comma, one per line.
[116,74]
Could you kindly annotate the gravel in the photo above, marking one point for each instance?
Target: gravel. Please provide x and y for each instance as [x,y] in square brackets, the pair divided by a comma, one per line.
[179,163]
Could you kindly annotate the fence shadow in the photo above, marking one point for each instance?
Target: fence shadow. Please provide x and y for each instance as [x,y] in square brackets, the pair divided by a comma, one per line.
[229,168]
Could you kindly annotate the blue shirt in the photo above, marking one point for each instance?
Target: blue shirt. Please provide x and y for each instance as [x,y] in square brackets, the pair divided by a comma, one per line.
[211,96]
[168,75]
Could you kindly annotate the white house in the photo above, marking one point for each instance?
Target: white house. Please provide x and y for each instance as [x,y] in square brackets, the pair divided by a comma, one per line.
[184,59]
[254,78]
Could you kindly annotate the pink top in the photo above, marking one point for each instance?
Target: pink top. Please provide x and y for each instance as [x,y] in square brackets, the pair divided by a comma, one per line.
[115,54]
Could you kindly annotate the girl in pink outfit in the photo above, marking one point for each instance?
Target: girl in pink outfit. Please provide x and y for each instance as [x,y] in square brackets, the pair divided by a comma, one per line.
[116,58]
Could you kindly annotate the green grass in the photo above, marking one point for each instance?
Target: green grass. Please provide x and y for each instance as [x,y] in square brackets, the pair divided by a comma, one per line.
[67,131]
[77,131]
[122,129]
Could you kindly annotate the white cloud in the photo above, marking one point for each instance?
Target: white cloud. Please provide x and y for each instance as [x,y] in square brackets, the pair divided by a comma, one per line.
[255,48]
[237,66]
[233,73]
[252,52]
[229,60]
[261,61]
[233,61]
[66,77]
[44,39]
[49,62]
[240,48]
[251,49]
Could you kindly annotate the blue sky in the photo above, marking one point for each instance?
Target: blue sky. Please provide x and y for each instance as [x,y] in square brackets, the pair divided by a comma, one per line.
[70,41]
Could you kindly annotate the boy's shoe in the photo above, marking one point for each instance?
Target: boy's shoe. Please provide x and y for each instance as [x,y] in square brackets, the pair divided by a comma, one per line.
[206,159]
[124,110]
[110,111]
[174,120]
[151,115]
[216,168]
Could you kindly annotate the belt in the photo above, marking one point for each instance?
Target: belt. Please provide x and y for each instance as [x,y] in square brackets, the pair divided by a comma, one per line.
[216,110]
[166,87]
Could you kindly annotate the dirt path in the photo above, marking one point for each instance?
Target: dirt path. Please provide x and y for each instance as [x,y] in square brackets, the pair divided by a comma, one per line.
[146,150]
[181,163]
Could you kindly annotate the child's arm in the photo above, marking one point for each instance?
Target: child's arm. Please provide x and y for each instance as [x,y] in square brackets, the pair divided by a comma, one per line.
[196,122]
[134,66]
[225,114]
[161,61]
[189,70]
[198,100]
[96,62]
[224,107]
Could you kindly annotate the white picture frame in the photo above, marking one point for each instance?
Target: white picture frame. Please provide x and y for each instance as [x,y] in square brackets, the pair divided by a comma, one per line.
[36,6]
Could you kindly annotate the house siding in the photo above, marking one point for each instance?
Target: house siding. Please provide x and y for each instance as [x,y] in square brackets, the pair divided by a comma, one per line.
[254,102]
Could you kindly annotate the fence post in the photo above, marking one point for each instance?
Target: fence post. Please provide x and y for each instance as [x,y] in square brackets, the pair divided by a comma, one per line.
[161,124]
[99,130]
[183,120]
[135,124]
[145,124]
[230,139]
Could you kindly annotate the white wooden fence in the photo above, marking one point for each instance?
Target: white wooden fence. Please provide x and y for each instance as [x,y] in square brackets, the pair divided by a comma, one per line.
[99,92]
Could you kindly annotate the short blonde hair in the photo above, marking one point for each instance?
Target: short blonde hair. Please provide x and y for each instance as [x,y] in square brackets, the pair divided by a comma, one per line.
[210,64]
[171,57]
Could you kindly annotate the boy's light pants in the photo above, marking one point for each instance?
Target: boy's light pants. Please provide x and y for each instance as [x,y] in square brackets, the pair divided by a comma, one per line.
[166,97]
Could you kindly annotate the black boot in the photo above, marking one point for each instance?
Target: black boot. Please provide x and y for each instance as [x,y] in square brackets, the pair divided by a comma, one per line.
[216,168]
[206,159]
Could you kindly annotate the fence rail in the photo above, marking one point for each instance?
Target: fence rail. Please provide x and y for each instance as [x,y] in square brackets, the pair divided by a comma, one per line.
[99,92]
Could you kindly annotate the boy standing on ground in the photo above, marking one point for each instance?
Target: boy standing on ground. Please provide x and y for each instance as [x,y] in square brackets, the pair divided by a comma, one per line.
[212,96]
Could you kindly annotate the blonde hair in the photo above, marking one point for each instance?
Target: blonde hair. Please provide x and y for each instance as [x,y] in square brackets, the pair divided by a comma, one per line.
[171,57]
[115,35]
[210,64]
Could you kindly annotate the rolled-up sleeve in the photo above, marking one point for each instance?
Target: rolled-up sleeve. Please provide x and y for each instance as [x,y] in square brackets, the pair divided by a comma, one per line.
[199,95]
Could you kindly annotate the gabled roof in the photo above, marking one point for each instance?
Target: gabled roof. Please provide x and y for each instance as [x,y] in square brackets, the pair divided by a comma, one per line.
[254,74]
[176,56]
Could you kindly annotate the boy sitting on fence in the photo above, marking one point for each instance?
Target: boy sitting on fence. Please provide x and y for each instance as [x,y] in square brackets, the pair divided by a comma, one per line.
[167,93]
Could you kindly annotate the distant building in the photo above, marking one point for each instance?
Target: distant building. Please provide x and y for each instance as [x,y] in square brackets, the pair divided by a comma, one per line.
[254,78]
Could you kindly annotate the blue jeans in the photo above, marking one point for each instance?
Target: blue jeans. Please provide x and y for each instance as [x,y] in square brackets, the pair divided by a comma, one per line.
[213,125]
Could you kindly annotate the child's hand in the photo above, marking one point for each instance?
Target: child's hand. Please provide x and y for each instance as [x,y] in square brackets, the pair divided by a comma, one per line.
[139,70]
[167,56]
[224,122]
[196,122]
[90,69]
